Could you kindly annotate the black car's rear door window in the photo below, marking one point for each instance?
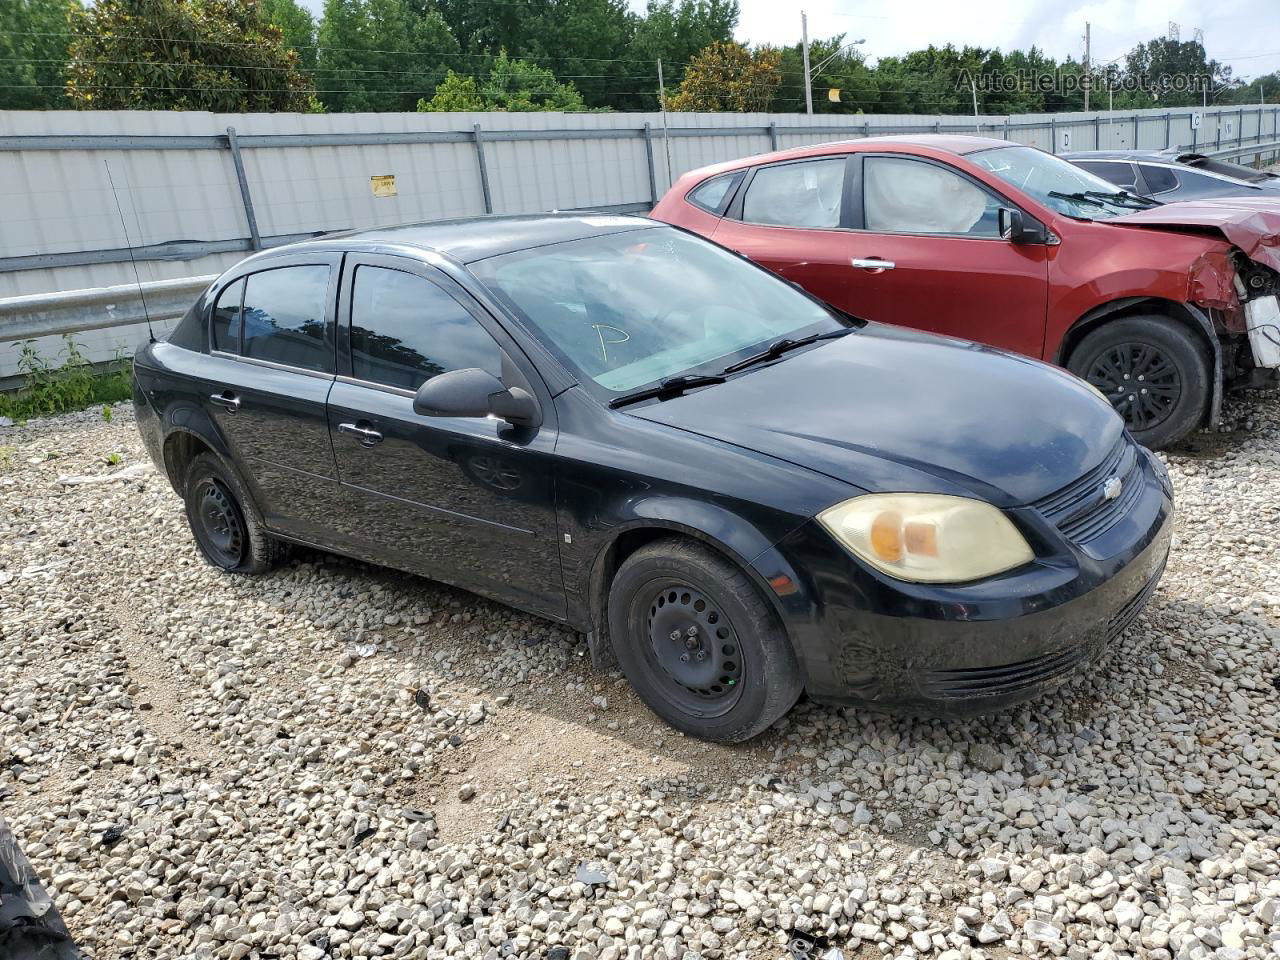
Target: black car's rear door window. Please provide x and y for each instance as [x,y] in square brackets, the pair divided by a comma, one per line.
[406,330]
[283,317]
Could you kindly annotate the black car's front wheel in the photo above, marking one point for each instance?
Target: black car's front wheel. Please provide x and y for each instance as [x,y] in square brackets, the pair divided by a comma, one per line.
[1154,371]
[699,643]
[227,533]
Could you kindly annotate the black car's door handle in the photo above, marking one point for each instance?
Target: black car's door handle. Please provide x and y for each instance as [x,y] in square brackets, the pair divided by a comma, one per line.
[367,436]
[227,399]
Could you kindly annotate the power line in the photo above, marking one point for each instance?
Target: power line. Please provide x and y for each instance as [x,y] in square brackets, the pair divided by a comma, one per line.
[310,70]
[319,48]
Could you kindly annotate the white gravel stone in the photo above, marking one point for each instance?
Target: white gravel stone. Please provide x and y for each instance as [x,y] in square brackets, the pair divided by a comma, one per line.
[204,766]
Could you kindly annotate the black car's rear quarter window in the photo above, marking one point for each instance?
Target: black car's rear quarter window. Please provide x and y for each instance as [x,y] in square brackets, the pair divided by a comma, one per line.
[406,330]
[283,318]
[1159,179]
[226,318]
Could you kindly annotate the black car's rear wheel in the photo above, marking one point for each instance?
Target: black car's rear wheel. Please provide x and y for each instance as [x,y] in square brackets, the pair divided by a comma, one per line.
[1154,371]
[699,643]
[228,535]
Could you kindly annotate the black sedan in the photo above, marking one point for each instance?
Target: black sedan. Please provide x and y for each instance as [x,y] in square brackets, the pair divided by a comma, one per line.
[1168,175]
[735,491]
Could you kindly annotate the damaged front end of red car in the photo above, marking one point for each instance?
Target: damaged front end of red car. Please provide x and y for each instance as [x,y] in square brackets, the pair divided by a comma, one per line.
[1240,287]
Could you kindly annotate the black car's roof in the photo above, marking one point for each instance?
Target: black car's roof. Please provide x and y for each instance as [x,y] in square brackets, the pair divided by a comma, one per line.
[1167,156]
[476,238]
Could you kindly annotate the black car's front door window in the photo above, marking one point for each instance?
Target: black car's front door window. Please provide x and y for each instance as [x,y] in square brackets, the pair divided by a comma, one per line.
[406,330]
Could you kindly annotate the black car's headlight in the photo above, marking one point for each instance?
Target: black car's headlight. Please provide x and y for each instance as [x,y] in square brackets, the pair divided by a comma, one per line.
[928,537]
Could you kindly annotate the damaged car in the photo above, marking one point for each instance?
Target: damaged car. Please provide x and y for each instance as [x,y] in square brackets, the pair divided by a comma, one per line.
[737,492]
[1162,307]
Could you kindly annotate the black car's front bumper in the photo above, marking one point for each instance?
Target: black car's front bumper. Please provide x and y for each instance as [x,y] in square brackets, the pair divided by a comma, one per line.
[961,650]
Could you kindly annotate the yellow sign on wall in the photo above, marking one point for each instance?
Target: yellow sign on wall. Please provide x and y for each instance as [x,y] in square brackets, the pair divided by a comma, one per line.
[384,185]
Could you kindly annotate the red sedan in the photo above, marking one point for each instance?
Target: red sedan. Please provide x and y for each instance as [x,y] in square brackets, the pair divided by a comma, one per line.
[1161,307]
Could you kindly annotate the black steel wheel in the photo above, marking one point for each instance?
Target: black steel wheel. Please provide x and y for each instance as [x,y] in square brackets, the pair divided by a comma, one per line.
[696,646]
[1153,369]
[699,642]
[220,529]
[225,525]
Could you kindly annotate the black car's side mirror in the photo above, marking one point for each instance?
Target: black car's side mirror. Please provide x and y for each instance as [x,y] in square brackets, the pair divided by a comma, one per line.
[476,393]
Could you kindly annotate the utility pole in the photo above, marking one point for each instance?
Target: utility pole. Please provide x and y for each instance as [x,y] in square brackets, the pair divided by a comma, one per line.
[973,85]
[1087,78]
[804,44]
[666,137]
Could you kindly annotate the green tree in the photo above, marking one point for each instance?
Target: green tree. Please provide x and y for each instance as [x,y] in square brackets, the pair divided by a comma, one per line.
[847,73]
[1264,89]
[297,26]
[728,77]
[34,37]
[455,93]
[674,31]
[1171,58]
[219,55]
[512,85]
[582,41]
[380,55]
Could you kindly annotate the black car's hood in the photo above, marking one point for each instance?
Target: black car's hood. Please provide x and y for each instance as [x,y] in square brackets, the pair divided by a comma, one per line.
[887,408]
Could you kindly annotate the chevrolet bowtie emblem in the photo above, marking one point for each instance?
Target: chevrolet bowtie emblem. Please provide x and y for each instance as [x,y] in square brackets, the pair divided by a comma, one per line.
[1111,489]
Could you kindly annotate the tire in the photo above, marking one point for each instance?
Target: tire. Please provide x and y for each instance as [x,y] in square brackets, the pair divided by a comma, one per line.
[228,535]
[747,676]
[1174,401]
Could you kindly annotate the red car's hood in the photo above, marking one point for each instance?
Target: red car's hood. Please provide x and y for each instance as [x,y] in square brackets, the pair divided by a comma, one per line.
[1250,223]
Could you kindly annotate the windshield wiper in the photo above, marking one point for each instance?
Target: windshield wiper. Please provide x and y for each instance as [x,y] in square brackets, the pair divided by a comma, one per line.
[779,347]
[1077,197]
[1123,195]
[668,387]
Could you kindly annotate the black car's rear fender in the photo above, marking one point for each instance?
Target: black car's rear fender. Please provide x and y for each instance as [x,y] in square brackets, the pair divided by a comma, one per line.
[175,425]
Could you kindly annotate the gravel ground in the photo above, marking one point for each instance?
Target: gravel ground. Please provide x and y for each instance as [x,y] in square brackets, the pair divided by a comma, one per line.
[338,760]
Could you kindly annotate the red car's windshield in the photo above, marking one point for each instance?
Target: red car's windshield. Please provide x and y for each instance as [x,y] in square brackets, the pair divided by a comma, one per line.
[1057,184]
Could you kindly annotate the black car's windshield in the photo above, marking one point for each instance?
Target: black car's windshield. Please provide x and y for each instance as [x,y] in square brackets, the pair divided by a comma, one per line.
[1057,184]
[632,309]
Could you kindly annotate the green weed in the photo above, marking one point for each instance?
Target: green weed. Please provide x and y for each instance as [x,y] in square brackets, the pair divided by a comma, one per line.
[73,384]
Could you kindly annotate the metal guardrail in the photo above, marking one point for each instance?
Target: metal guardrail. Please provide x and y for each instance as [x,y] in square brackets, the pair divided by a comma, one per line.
[1259,148]
[100,308]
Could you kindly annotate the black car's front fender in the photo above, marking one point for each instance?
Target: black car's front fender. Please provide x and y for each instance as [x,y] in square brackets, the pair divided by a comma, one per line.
[721,530]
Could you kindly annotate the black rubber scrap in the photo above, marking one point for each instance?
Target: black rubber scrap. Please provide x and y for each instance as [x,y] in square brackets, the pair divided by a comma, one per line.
[30,927]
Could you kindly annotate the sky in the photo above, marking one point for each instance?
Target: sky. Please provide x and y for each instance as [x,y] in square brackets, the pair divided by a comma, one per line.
[1242,33]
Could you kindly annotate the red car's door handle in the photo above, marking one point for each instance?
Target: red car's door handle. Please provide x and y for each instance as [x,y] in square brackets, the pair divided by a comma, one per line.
[874,264]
